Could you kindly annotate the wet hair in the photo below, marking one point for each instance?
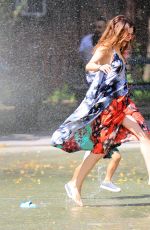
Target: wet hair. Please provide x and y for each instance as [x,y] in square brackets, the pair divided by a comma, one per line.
[115,33]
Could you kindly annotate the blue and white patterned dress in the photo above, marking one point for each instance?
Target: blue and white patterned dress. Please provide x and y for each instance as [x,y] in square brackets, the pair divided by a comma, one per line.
[90,126]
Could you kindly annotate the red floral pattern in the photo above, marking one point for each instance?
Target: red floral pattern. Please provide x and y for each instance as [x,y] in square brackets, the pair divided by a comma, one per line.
[107,131]
[70,145]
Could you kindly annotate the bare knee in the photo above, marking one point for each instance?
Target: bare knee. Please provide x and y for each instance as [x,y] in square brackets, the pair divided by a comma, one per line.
[116,157]
[131,124]
[98,156]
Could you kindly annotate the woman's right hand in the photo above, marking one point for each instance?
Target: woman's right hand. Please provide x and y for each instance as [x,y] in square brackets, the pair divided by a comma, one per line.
[105,68]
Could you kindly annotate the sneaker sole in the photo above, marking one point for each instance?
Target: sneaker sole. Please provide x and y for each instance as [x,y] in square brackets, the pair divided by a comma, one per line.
[109,189]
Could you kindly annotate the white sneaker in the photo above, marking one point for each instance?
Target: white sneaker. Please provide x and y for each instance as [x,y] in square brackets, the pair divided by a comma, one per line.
[109,186]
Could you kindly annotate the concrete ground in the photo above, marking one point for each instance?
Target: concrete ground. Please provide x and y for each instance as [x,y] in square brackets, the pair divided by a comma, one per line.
[32,170]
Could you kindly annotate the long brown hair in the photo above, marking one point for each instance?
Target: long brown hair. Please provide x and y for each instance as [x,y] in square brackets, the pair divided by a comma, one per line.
[115,33]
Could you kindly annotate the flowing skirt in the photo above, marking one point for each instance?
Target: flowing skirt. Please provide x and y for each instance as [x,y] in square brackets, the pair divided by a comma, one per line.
[96,124]
[106,132]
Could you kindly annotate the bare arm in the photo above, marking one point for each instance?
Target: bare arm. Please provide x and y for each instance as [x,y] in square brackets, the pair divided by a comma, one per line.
[95,64]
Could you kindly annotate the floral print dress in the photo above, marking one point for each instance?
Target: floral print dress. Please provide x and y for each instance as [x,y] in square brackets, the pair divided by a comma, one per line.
[96,124]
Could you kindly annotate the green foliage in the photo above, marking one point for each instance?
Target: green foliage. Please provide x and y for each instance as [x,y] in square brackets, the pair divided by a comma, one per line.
[129,78]
[138,68]
[142,96]
[137,48]
[61,96]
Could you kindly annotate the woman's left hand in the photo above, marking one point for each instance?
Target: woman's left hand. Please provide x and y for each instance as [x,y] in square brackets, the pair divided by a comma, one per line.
[105,68]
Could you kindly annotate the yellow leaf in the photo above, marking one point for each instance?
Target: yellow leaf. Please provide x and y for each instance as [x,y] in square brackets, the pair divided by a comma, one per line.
[121,174]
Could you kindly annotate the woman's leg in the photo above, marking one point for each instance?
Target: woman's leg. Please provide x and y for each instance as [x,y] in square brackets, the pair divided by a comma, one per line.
[83,169]
[76,171]
[131,124]
[112,166]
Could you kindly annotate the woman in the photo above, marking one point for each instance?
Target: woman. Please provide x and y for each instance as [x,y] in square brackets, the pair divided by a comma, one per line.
[106,115]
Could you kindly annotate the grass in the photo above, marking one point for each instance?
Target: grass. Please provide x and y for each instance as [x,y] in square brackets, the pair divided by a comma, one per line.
[141,96]
[62,96]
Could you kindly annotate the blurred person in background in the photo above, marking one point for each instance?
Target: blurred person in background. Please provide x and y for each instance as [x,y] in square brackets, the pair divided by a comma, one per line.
[90,40]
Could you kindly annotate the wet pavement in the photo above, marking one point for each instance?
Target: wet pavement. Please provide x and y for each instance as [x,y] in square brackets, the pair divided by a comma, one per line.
[39,172]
